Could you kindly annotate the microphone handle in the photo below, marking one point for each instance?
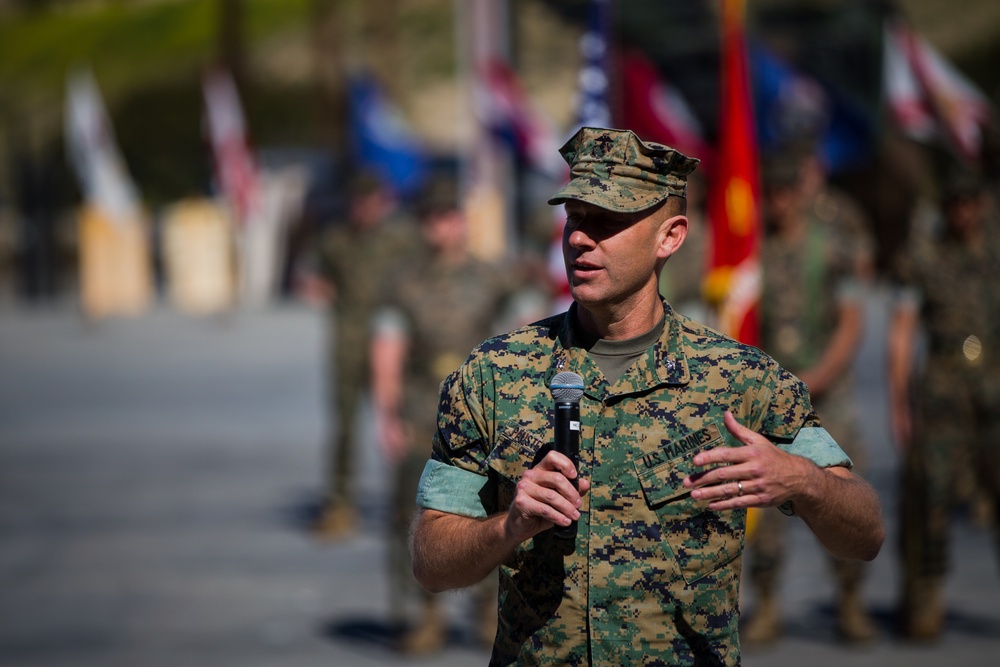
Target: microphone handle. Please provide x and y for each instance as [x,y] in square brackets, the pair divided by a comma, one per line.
[567,443]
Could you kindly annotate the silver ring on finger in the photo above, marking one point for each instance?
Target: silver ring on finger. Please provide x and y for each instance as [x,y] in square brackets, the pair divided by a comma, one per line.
[739,485]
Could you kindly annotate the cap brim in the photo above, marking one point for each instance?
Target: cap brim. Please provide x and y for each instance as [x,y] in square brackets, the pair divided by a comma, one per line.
[609,195]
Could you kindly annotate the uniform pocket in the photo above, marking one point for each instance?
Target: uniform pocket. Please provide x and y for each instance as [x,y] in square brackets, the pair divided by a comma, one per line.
[516,450]
[700,539]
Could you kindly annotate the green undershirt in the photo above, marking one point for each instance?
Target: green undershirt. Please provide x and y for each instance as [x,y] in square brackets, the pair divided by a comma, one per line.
[614,357]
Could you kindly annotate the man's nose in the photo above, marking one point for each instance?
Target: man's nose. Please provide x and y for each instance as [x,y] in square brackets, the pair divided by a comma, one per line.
[580,236]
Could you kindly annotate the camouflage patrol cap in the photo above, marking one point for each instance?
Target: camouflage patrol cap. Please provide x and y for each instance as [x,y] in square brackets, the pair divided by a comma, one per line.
[616,170]
[961,184]
[362,183]
[780,171]
[440,195]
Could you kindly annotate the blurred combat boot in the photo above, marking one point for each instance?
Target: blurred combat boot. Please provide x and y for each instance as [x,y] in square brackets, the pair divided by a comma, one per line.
[923,610]
[854,623]
[427,635]
[336,521]
[981,510]
[764,625]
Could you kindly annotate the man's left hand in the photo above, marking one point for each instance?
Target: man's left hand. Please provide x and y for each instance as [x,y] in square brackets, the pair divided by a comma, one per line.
[755,475]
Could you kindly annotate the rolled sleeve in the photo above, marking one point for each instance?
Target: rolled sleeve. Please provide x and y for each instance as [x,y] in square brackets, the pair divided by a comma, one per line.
[446,488]
[817,445]
[907,297]
[390,321]
[850,291]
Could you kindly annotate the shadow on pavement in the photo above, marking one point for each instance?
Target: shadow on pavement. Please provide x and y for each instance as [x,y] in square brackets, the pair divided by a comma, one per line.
[381,634]
[818,625]
[363,632]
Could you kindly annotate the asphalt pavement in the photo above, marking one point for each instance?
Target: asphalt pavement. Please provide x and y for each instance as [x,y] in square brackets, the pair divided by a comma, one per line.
[157,476]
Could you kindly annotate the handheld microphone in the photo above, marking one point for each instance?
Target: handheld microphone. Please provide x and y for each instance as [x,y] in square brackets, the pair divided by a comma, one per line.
[567,389]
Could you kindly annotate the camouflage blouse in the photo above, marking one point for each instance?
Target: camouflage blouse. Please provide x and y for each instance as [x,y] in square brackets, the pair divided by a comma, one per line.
[653,575]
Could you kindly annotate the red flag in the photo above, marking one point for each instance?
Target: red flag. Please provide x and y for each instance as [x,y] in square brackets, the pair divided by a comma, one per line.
[733,281]
[657,111]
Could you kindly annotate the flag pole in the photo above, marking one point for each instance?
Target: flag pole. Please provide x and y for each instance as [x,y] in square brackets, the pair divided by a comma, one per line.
[488,169]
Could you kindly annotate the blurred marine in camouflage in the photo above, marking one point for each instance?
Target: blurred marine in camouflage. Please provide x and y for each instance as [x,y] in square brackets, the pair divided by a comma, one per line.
[355,259]
[816,257]
[682,429]
[947,283]
[437,308]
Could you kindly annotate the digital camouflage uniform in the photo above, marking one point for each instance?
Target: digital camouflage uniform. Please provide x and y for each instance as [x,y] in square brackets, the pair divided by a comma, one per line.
[445,311]
[804,283]
[357,261]
[957,407]
[653,576]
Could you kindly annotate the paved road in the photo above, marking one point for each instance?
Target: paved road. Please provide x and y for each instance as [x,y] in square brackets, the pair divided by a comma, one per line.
[156,476]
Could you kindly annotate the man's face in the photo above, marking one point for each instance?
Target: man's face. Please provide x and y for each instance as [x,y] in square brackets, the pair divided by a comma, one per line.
[611,256]
[964,214]
[782,204]
[368,209]
[445,231]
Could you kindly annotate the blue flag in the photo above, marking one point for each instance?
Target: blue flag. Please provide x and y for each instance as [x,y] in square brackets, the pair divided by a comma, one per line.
[381,140]
[792,105]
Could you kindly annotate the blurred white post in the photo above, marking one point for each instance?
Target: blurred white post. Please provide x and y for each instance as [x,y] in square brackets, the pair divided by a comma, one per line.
[488,172]
[263,238]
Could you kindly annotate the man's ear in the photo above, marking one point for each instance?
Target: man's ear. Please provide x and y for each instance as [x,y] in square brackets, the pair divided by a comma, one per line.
[673,231]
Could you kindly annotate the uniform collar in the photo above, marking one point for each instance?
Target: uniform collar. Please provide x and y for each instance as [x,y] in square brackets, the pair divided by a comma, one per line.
[664,363]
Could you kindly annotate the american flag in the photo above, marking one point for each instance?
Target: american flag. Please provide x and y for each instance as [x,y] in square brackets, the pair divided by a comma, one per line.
[928,97]
[593,109]
[235,167]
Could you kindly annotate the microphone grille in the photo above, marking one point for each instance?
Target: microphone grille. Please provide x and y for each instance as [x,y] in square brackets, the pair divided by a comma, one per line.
[567,386]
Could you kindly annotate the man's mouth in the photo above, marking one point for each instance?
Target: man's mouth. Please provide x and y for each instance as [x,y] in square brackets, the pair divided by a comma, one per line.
[584,266]
[580,271]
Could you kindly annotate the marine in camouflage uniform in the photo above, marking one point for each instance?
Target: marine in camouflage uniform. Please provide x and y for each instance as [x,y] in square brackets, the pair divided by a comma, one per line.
[815,255]
[948,285]
[355,258]
[666,473]
[436,310]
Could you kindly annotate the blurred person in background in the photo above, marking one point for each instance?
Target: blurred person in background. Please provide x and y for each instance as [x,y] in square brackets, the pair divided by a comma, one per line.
[816,261]
[436,310]
[355,258]
[833,207]
[946,414]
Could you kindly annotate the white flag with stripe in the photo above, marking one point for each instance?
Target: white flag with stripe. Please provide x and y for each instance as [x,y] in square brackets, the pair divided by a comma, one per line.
[95,158]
